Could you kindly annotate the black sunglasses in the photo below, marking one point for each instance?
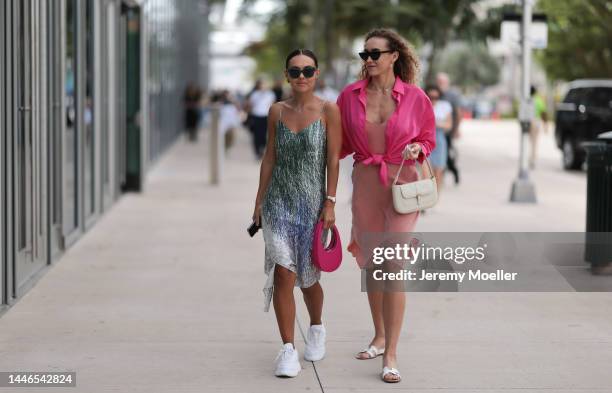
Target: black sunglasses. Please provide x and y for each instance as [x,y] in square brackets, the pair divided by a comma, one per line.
[308,71]
[375,54]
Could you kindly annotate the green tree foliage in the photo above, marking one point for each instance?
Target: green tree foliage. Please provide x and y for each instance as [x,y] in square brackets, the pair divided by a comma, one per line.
[330,26]
[269,53]
[443,21]
[579,37]
[471,67]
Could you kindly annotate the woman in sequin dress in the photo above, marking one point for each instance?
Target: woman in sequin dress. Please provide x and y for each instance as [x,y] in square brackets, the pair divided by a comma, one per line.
[305,138]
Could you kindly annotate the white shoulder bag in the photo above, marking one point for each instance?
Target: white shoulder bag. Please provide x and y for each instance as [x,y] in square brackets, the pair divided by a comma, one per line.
[415,196]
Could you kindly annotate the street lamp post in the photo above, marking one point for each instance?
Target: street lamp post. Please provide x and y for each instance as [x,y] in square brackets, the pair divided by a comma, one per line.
[204,45]
[523,189]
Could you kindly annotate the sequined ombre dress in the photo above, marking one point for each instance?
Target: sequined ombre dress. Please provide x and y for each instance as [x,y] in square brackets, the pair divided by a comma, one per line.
[293,202]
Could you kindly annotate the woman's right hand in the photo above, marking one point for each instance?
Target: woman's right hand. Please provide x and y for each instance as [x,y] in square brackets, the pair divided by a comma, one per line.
[411,151]
[257,214]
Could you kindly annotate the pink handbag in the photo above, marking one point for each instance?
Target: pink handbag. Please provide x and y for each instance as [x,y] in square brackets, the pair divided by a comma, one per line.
[328,258]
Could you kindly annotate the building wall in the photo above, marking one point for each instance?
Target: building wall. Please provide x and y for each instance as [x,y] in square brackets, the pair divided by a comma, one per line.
[79,113]
[174,30]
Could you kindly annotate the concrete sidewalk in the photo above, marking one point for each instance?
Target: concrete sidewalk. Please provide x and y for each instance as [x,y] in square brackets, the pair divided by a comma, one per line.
[164,293]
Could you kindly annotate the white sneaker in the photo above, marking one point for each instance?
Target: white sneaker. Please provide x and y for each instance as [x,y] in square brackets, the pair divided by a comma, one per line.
[287,362]
[315,343]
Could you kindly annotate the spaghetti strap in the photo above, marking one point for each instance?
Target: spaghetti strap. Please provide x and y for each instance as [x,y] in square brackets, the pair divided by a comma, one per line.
[280,112]
[323,106]
[322,113]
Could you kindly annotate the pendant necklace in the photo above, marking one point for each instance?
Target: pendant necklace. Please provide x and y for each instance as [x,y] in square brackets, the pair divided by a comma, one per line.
[383,90]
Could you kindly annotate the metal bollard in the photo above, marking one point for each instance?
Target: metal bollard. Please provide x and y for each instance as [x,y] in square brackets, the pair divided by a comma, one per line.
[217,147]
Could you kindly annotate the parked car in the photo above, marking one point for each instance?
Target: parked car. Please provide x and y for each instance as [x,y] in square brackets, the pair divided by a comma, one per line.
[586,111]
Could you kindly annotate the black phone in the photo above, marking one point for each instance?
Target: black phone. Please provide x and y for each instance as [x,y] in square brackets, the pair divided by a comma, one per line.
[253,229]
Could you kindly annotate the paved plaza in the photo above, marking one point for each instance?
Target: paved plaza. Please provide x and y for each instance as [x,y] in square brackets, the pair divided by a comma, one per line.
[164,294]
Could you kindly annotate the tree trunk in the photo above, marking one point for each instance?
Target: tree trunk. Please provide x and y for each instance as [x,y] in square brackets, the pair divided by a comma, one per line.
[438,44]
[314,26]
[430,77]
[330,40]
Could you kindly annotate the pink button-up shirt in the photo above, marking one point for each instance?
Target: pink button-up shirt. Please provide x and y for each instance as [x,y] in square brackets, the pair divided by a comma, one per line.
[412,121]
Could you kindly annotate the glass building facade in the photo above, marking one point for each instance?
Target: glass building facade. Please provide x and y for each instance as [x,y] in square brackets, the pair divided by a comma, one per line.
[90,97]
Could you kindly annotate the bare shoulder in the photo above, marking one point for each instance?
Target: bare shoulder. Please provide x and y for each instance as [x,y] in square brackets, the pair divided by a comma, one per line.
[273,113]
[331,109]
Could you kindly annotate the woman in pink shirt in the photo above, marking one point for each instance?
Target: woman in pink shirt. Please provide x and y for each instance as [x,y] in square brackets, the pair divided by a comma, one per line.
[385,119]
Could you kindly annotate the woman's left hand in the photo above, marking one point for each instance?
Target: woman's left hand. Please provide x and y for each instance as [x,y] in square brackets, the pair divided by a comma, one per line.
[328,215]
[412,151]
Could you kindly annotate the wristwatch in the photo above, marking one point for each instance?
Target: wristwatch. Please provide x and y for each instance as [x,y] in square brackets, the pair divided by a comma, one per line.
[331,198]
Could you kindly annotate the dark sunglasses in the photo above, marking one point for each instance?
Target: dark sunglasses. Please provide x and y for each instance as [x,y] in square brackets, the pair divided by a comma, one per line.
[375,54]
[308,71]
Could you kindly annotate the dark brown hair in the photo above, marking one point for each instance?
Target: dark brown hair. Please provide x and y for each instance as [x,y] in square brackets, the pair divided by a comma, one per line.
[431,87]
[407,64]
[305,52]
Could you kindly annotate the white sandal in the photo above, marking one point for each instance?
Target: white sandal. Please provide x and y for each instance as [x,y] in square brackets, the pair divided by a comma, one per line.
[393,371]
[372,352]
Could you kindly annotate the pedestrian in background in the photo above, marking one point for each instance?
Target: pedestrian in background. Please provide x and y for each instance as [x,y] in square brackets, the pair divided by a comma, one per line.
[258,105]
[297,187]
[229,116]
[246,107]
[191,103]
[278,90]
[538,124]
[443,112]
[386,119]
[454,98]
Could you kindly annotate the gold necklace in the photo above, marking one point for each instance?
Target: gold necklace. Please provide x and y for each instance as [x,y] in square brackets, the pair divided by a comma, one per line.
[383,90]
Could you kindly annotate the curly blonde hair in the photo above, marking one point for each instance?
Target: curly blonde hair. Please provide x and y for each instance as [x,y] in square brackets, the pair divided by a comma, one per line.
[407,64]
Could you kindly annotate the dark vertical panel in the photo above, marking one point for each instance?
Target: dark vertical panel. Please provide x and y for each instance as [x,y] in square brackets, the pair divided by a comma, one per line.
[55,91]
[39,133]
[22,132]
[54,121]
[121,102]
[71,140]
[23,169]
[89,147]
[3,130]
[11,115]
[80,94]
[133,132]
[105,105]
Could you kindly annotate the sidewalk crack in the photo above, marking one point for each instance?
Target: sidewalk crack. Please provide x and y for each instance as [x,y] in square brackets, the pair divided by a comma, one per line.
[297,319]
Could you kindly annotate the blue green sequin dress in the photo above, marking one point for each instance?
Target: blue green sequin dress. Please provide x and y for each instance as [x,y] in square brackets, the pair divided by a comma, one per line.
[293,203]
